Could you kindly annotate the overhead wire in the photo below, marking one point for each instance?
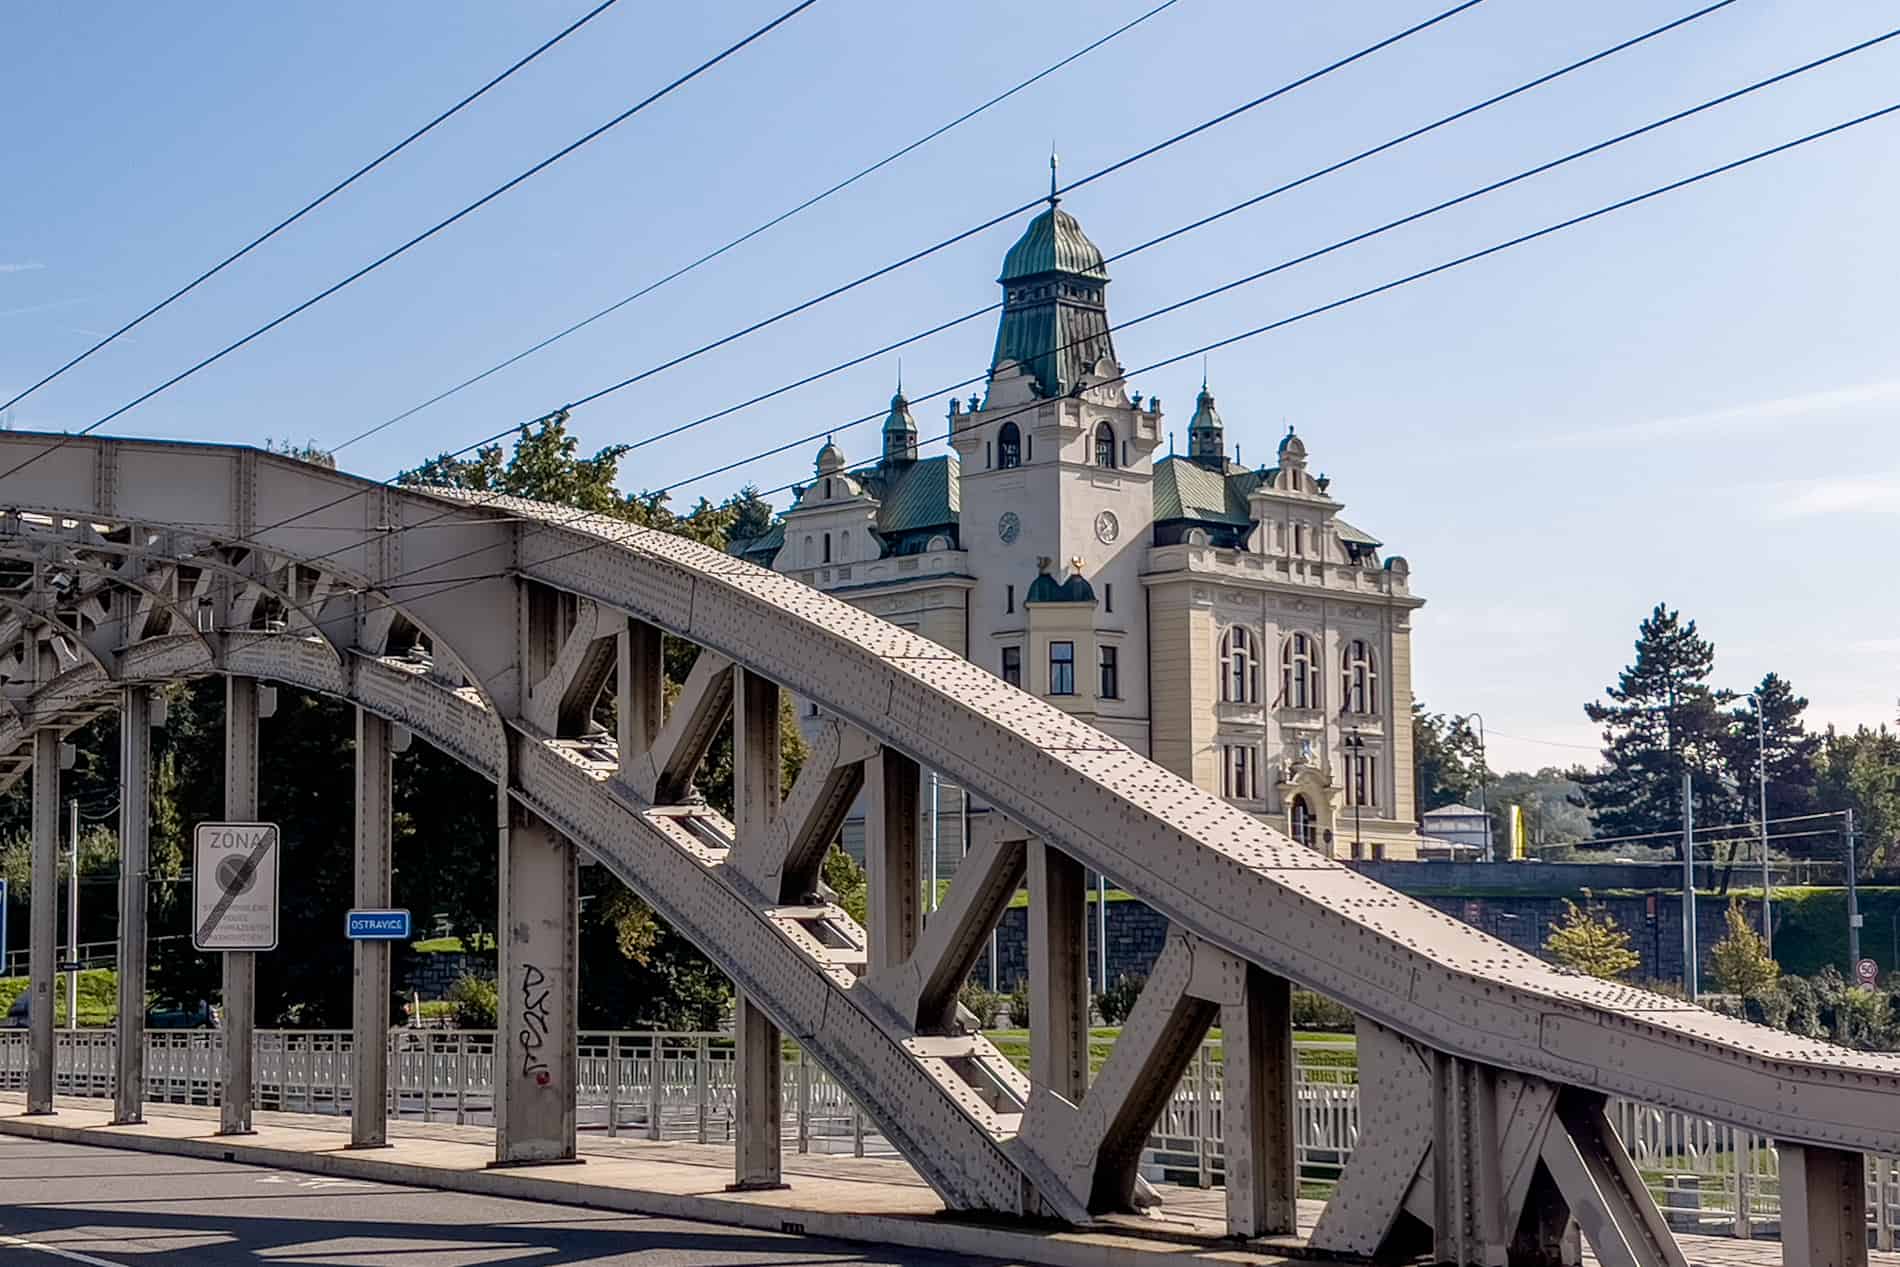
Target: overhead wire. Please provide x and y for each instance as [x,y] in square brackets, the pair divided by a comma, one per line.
[1200,223]
[314,203]
[430,232]
[448,584]
[1157,147]
[747,236]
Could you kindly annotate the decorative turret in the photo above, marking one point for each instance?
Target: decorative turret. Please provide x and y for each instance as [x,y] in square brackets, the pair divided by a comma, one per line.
[830,458]
[1207,443]
[1055,314]
[900,431]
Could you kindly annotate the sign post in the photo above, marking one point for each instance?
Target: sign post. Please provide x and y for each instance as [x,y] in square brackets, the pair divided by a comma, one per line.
[1866,972]
[234,886]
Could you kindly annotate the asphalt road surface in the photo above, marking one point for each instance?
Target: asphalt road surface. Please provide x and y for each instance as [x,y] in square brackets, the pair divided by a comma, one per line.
[67,1204]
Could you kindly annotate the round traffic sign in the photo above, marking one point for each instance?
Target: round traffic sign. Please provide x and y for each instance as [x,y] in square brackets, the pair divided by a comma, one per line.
[1867,972]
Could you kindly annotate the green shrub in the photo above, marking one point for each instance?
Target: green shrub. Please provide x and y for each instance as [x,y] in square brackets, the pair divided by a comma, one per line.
[983,1004]
[475,1001]
[1316,1011]
[1116,1002]
[1019,1001]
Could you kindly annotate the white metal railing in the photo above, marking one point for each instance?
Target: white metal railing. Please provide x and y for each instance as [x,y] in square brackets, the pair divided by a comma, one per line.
[1707,1177]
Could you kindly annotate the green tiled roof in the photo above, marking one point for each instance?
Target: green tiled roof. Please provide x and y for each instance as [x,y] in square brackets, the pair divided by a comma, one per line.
[1349,533]
[764,546]
[923,495]
[1053,243]
[1184,489]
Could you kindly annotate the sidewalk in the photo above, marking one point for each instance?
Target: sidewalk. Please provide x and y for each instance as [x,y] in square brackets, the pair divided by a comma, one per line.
[875,1200]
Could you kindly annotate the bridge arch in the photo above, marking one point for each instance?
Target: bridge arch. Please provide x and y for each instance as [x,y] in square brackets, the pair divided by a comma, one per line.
[1513,1055]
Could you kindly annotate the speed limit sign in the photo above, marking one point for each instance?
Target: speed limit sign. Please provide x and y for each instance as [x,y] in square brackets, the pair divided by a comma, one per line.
[1866,972]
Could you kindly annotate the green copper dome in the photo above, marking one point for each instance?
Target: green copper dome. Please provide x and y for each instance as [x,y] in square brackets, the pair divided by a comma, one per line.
[1053,243]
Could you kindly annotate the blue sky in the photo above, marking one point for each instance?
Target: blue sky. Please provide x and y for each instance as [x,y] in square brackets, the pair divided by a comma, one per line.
[1693,401]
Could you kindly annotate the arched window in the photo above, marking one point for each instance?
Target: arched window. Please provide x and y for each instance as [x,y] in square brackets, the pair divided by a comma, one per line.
[1300,823]
[827,547]
[1299,672]
[1105,445]
[1239,667]
[1009,446]
[1359,679]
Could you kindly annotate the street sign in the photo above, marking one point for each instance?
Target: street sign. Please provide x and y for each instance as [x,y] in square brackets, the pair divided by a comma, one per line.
[1867,972]
[378,925]
[234,886]
[69,965]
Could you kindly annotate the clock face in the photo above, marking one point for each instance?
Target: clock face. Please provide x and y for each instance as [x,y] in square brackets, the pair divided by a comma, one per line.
[1008,527]
[1107,527]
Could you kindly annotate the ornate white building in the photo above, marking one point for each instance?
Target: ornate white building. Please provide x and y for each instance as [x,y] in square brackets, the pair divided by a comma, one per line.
[1222,619]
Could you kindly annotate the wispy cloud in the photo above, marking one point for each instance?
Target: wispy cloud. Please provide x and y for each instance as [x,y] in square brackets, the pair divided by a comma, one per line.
[1846,495]
[20,268]
[1839,401]
[54,303]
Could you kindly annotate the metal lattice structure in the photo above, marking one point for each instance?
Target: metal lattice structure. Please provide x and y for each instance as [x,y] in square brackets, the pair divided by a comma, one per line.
[490,626]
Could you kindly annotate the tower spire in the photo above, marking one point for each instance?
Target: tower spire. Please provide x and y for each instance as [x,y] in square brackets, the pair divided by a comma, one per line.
[1054,162]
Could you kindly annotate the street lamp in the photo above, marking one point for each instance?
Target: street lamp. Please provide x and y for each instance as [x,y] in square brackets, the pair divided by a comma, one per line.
[1767,880]
[1355,746]
[1483,776]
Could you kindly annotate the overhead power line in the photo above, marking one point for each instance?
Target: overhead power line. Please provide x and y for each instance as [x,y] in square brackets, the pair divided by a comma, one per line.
[440,225]
[774,222]
[1155,148]
[1495,185]
[316,202]
[1197,224]
[450,584]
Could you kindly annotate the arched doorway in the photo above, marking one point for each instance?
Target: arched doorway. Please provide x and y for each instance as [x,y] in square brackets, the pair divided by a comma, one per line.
[1302,826]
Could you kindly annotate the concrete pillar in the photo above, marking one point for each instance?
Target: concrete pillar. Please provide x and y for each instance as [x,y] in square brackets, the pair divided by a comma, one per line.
[135,818]
[369,1005]
[1823,1207]
[639,688]
[759,1088]
[892,867]
[756,754]
[535,1059]
[1263,1182]
[43,922]
[1058,973]
[240,966]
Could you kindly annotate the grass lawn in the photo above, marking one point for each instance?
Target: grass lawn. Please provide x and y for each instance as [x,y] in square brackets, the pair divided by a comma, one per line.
[1319,1047]
[98,996]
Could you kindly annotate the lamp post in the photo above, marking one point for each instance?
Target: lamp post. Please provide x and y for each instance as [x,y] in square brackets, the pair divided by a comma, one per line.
[1483,778]
[1355,746]
[1767,880]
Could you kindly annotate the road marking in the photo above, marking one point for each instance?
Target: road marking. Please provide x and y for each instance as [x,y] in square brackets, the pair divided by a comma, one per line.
[70,1255]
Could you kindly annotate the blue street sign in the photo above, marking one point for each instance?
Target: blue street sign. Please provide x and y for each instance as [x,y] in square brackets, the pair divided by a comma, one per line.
[378,926]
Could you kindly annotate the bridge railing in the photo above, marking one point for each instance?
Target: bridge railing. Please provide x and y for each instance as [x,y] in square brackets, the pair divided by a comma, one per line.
[1708,1177]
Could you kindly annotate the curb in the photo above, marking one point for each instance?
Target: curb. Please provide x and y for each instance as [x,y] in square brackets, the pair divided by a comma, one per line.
[945,1235]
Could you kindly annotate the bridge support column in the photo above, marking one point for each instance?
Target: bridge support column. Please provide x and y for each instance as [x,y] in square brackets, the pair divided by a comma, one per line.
[893,869]
[1058,973]
[135,768]
[240,966]
[1263,1178]
[1823,1207]
[369,1005]
[538,949]
[43,922]
[639,689]
[760,1091]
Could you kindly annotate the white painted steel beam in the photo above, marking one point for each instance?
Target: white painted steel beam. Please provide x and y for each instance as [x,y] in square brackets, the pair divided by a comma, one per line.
[43,921]
[369,998]
[538,977]
[893,862]
[1058,972]
[135,837]
[759,1089]
[1823,1207]
[239,966]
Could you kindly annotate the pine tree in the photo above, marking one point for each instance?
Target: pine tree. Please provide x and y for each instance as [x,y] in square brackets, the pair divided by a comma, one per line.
[1740,960]
[1791,753]
[1592,944]
[1663,719]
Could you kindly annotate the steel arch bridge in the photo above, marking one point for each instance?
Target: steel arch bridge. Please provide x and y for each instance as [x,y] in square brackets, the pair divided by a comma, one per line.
[491,626]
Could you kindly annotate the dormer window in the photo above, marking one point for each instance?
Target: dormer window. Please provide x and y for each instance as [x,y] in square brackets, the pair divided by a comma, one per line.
[1009,447]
